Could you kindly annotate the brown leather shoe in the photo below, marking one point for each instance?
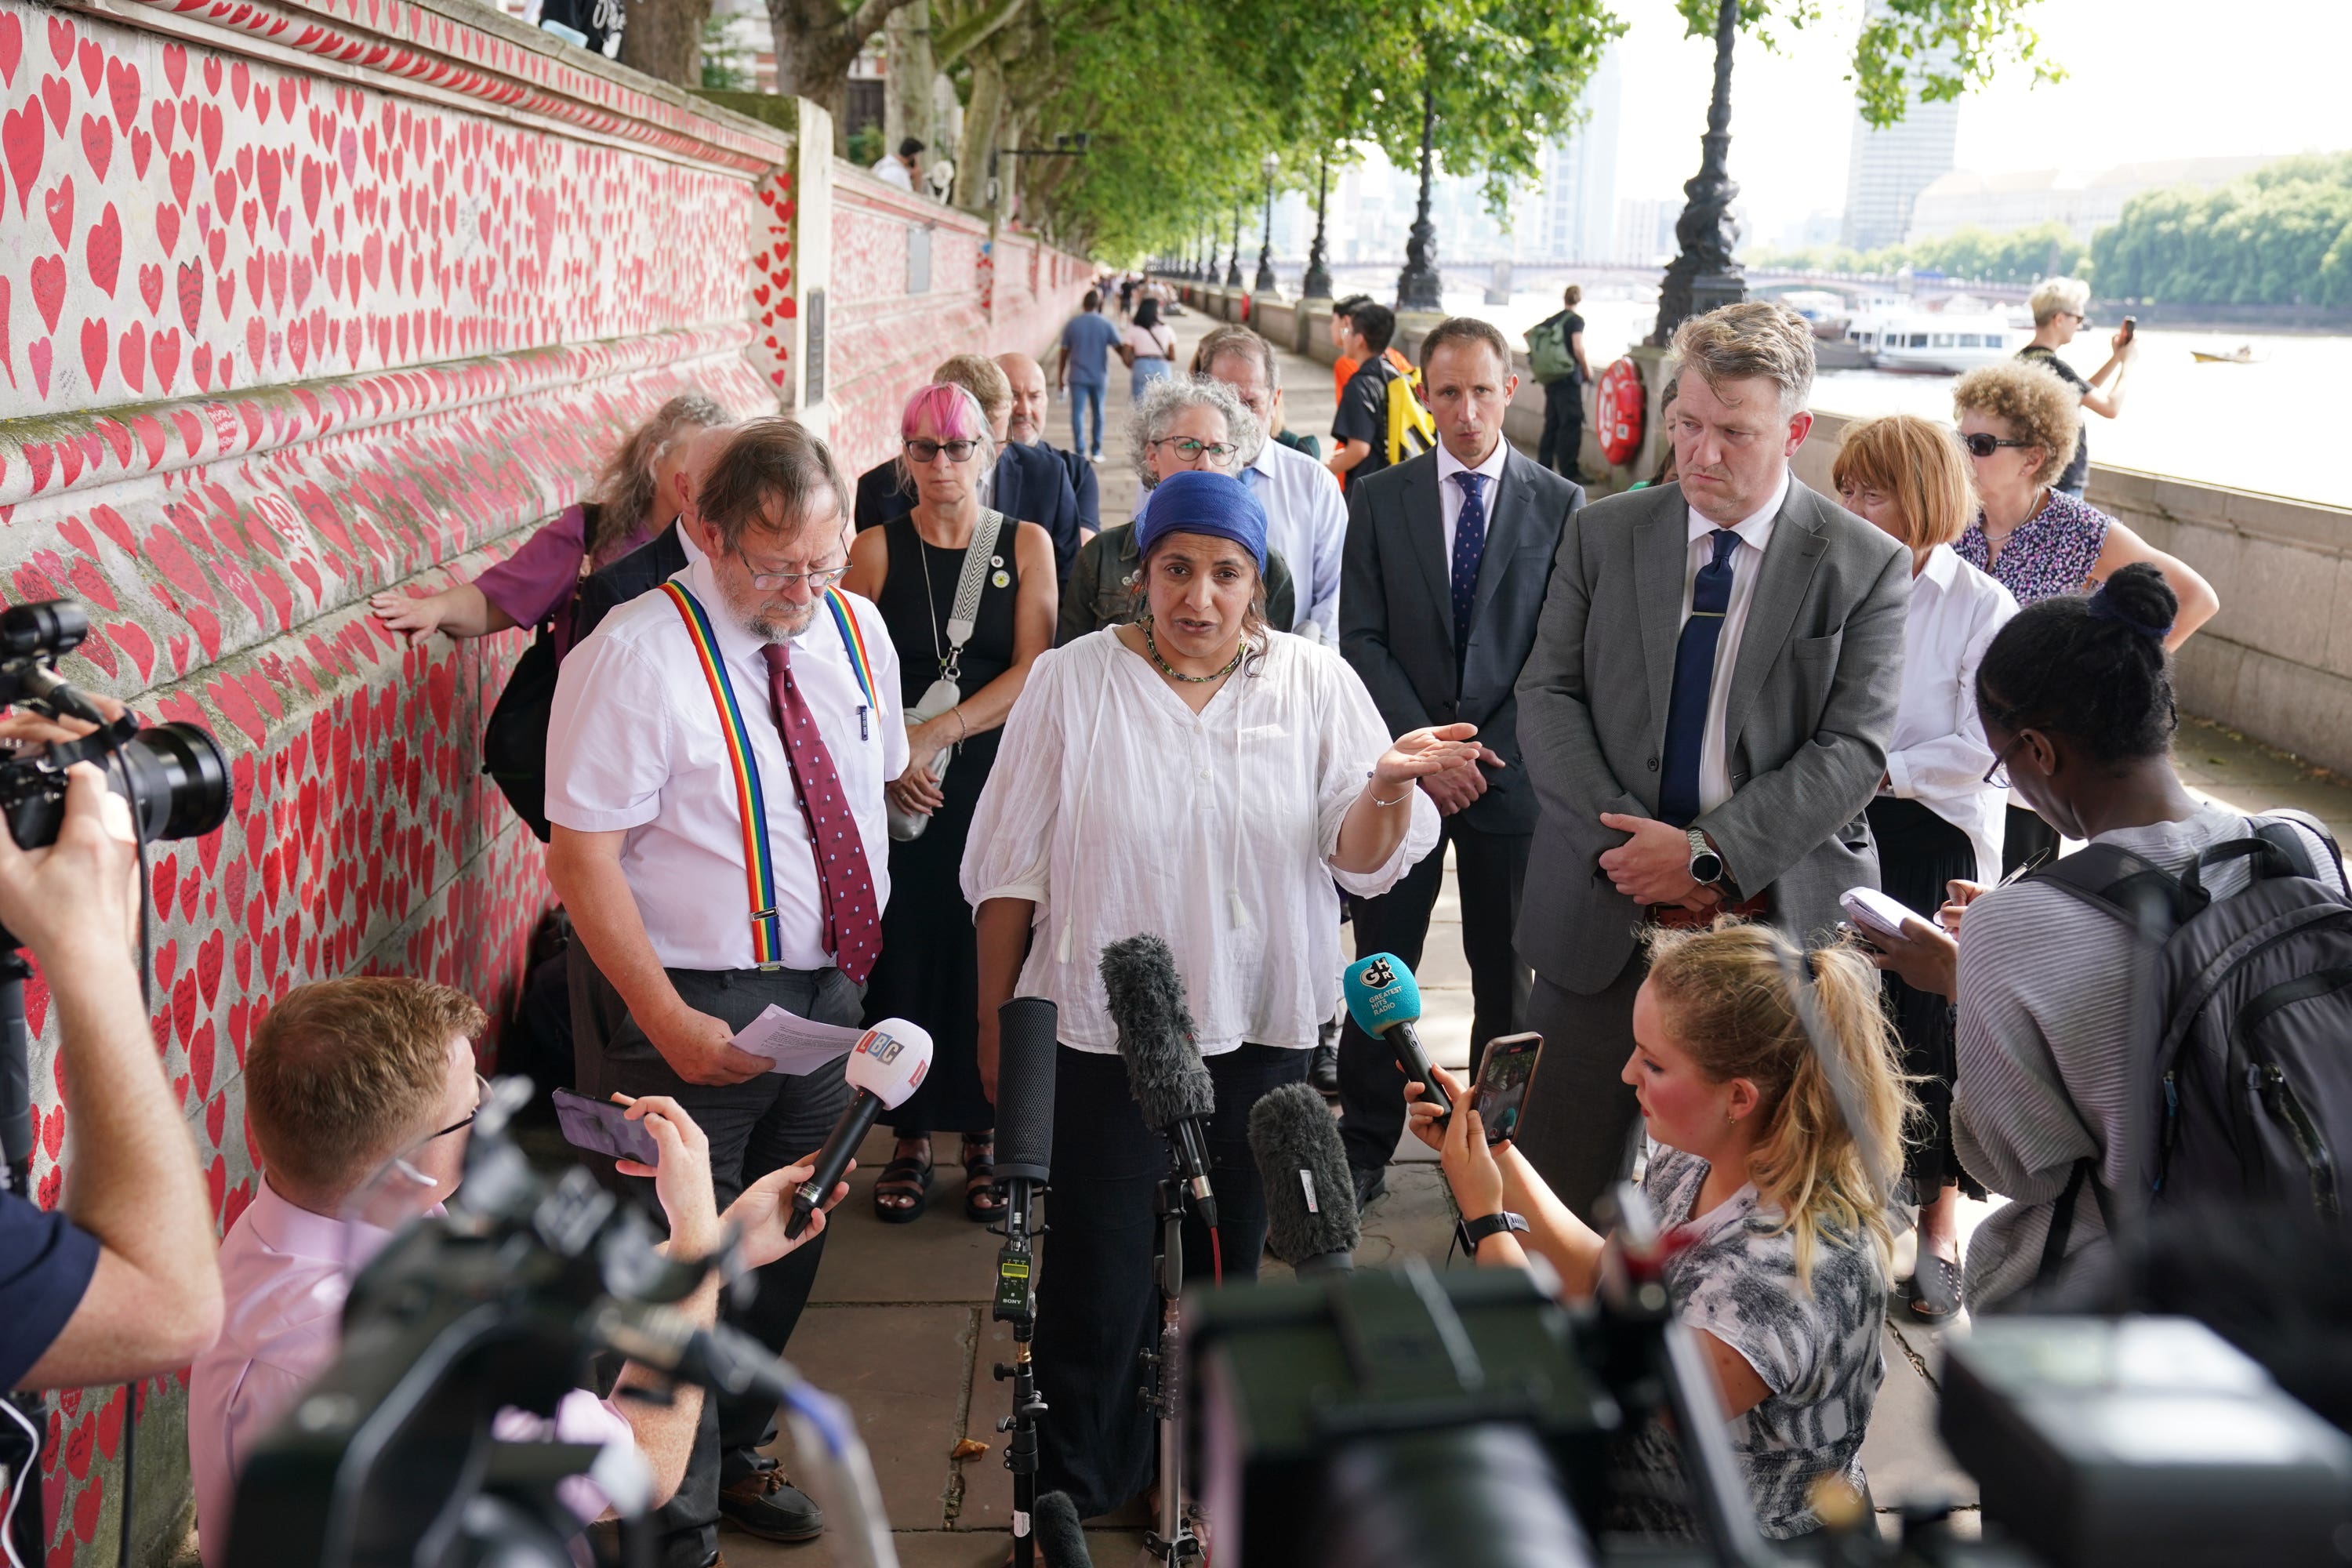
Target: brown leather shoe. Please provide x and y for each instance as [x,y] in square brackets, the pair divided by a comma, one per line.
[765,1504]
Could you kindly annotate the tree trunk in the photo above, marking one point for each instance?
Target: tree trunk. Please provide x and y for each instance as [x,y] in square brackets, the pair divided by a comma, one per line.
[907,101]
[816,42]
[664,40]
[980,118]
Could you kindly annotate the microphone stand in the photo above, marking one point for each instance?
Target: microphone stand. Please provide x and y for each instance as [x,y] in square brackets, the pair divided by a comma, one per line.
[1017,1303]
[1170,1540]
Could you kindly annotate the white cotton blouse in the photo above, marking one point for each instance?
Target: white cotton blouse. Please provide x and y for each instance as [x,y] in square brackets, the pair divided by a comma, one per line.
[1118,811]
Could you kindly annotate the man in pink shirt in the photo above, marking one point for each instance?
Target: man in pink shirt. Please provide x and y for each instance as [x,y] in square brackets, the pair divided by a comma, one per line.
[359,1093]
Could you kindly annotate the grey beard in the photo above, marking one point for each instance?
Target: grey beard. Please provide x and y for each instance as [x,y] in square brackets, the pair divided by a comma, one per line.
[770,627]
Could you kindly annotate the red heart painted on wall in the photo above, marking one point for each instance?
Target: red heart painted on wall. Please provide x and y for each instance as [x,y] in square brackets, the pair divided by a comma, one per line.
[49,278]
[143,148]
[23,138]
[122,91]
[151,285]
[209,118]
[192,293]
[97,143]
[163,353]
[93,63]
[59,203]
[166,124]
[56,97]
[167,228]
[131,356]
[175,66]
[12,47]
[103,251]
[183,177]
[39,356]
[93,350]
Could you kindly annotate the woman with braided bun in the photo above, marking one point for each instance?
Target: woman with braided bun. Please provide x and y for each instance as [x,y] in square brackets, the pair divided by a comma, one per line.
[1780,1209]
[2077,701]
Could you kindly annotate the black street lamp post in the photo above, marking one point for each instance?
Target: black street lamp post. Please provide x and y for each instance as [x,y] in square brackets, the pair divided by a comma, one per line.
[1317,282]
[1418,286]
[1234,256]
[1705,274]
[1266,279]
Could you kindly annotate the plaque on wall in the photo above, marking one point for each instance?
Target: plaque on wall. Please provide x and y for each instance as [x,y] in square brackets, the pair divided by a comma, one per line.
[918,260]
[813,318]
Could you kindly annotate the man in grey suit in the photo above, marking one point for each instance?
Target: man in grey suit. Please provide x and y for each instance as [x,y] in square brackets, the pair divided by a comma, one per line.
[1442,581]
[1706,716]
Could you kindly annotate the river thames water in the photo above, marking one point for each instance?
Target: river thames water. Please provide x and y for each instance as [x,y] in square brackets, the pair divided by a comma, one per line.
[2244,426]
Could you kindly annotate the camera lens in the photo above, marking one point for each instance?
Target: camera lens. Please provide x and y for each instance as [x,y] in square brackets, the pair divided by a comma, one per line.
[179,781]
[51,626]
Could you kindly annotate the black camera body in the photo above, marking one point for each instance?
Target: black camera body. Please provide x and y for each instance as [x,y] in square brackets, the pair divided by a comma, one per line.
[172,775]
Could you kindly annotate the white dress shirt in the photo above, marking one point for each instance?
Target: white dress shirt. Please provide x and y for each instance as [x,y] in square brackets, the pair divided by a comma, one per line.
[1940,755]
[890,172]
[285,1272]
[1307,525]
[1116,810]
[1450,496]
[1755,532]
[634,744]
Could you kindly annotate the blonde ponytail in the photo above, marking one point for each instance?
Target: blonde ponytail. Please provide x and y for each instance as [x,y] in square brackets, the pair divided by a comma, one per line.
[1724,993]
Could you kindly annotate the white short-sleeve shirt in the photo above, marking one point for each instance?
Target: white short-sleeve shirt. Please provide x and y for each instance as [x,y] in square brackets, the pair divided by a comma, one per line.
[635,745]
[1119,811]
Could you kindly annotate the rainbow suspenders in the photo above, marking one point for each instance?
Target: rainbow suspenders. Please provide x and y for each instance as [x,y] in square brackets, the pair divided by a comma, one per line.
[751,806]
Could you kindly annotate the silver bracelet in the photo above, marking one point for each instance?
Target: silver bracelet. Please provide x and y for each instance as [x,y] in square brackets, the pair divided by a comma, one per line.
[1399,800]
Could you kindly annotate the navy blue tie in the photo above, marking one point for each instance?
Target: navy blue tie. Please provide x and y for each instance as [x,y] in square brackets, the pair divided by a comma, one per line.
[1694,679]
[1469,543]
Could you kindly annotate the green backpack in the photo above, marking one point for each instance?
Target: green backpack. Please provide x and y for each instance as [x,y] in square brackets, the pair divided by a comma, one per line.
[1548,356]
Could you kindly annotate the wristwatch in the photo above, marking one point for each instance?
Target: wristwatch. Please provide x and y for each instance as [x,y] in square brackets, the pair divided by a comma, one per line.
[1474,1231]
[1706,865]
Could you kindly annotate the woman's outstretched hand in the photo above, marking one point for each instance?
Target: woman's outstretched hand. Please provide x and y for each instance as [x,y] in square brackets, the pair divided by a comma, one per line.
[1422,754]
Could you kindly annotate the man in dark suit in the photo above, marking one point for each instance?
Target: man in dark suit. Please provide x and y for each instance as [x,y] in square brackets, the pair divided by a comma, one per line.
[1025,427]
[1441,586]
[1028,484]
[1706,716]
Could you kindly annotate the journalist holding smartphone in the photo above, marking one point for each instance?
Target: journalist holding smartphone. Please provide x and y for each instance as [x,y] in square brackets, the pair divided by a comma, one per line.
[120,1283]
[1783,1266]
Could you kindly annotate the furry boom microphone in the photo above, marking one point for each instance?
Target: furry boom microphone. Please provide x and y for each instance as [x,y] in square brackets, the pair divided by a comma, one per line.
[1164,1070]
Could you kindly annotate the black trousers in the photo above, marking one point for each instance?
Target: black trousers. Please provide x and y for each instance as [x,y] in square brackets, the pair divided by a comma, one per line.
[1563,427]
[2024,835]
[1582,1116]
[754,1128]
[1098,1297]
[1489,868]
[1918,853]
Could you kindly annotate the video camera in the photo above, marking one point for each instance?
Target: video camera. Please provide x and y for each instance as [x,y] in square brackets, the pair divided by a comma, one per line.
[499,1304]
[1400,1419]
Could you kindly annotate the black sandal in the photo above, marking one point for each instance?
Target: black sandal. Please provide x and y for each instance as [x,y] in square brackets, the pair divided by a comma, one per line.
[984,1201]
[903,1177]
[1935,1291]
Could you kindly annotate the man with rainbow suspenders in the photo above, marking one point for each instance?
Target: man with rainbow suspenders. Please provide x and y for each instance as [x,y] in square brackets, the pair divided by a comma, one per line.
[715,763]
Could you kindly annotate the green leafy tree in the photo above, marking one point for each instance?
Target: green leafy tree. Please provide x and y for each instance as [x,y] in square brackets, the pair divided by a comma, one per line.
[2280,236]
[1930,51]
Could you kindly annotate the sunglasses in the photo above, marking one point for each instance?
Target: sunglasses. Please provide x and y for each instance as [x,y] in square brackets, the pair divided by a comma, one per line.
[1984,444]
[924,451]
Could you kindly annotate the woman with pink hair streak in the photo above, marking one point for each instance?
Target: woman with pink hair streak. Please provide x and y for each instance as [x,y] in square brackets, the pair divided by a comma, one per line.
[956,697]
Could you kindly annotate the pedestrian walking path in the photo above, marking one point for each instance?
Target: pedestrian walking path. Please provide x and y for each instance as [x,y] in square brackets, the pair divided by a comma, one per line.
[900,1325]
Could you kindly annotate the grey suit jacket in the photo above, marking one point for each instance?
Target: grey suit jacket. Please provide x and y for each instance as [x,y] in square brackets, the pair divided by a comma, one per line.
[1811,705]
[1396,612]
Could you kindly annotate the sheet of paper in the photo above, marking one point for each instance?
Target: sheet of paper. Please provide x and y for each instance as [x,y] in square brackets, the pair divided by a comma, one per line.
[794,1044]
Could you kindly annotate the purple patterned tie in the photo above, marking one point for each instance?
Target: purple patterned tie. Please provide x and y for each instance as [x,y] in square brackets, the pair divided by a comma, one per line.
[853,926]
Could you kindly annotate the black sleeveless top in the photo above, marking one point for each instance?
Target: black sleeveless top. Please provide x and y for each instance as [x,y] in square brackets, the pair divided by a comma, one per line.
[918,626]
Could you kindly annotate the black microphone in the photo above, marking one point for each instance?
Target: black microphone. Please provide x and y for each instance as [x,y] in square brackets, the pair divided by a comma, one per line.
[1310,1198]
[888,1063]
[1026,1029]
[1164,1070]
[1061,1539]
[1384,1000]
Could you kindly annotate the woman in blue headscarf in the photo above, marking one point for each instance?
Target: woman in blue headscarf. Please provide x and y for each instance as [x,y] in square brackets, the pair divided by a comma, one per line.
[1201,777]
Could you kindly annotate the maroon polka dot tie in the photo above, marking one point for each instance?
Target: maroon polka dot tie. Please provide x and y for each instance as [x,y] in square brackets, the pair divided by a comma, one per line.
[853,927]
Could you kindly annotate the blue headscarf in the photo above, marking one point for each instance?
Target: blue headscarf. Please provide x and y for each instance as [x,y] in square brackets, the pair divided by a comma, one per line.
[1198,500]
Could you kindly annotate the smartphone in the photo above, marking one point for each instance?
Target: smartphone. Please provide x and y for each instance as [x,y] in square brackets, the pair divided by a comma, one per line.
[2131,328]
[601,1127]
[1501,1097]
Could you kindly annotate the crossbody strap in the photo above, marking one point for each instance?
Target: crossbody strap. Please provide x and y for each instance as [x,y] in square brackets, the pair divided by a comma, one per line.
[978,559]
[758,869]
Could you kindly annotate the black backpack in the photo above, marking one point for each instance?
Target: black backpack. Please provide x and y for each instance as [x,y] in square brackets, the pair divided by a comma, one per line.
[2249,1067]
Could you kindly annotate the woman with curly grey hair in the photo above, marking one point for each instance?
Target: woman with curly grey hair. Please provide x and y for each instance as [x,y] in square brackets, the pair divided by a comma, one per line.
[1180,423]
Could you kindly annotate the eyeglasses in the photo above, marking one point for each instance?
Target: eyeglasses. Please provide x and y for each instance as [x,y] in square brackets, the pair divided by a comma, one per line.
[481,1098]
[818,581]
[924,451]
[1983,444]
[1996,776]
[1192,451]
